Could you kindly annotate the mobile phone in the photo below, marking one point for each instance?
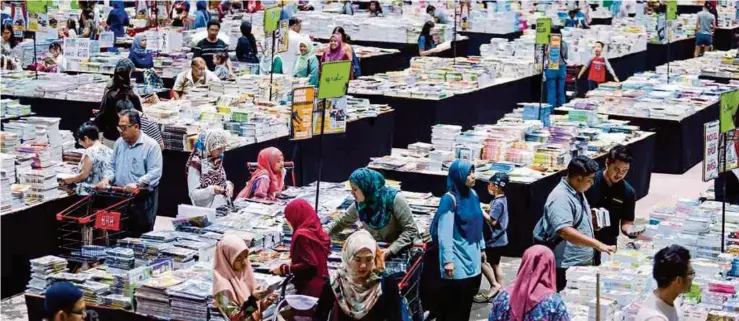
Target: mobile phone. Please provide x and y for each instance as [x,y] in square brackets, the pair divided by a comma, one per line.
[250,305]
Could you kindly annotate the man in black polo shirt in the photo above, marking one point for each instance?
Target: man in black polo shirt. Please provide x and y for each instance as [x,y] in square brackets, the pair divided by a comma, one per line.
[611,192]
[211,45]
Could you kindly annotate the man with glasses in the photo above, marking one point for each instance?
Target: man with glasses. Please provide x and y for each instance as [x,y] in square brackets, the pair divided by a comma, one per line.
[566,226]
[198,75]
[136,163]
[64,302]
[674,275]
[611,192]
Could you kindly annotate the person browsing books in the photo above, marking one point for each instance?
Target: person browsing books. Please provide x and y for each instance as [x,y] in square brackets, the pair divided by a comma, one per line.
[598,66]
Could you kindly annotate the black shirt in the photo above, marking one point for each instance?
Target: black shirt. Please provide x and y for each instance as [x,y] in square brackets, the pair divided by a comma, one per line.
[386,308]
[619,199]
[207,50]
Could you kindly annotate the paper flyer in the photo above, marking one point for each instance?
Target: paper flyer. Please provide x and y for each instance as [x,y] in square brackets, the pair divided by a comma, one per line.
[301,116]
[334,120]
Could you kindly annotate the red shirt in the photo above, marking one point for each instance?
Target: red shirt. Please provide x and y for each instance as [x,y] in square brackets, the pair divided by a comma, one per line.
[597,70]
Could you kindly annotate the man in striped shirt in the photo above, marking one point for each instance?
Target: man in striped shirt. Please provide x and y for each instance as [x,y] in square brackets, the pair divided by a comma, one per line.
[211,46]
[149,126]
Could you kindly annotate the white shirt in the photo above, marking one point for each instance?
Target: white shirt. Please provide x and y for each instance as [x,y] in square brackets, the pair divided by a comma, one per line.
[184,81]
[293,51]
[654,309]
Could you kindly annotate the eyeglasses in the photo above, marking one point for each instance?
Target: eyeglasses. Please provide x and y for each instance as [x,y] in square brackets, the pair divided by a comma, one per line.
[123,128]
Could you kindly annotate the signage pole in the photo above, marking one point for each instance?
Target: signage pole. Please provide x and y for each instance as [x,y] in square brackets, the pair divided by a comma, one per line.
[723,200]
[272,64]
[320,151]
[454,36]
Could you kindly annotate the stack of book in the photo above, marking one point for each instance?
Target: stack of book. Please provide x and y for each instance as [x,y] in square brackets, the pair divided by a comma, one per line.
[443,136]
[182,257]
[152,299]
[174,137]
[42,183]
[190,299]
[120,258]
[8,141]
[93,292]
[41,271]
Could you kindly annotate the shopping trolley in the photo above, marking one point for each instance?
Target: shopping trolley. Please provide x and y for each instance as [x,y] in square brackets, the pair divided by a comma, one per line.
[294,301]
[410,283]
[571,88]
[97,219]
[289,166]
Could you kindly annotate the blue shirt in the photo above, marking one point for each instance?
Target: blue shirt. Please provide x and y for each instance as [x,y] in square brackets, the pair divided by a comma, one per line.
[454,248]
[499,212]
[550,308]
[426,44]
[441,16]
[140,163]
[565,207]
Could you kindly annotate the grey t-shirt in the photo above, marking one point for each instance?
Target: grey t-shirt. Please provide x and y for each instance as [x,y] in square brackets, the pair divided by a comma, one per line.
[565,207]
[705,22]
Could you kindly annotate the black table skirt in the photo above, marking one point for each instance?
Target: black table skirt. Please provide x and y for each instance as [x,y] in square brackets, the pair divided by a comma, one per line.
[681,9]
[679,143]
[26,235]
[35,306]
[679,50]
[479,38]
[414,117]
[601,21]
[342,154]
[725,39]
[526,201]
[723,80]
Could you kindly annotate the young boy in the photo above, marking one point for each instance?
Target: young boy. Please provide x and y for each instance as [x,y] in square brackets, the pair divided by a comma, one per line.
[598,66]
[221,70]
[496,239]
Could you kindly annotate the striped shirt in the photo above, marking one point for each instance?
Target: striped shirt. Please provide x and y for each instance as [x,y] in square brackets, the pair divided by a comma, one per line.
[151,128]
[207,50]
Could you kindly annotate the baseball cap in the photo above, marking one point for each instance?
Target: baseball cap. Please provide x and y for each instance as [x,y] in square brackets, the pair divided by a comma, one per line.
[500,179]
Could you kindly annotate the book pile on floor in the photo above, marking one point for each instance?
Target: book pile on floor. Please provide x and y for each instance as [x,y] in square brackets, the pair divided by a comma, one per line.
[41,271]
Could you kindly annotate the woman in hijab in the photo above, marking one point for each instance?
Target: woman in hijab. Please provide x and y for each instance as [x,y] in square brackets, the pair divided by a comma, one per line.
[140,57]
[382,210]
[457,230]
[268,180]
[533,296]
[253,6]
[117,18]
[206,178]
[233,281]
[307,63]
[202,16]
[309,249]
[336,50]
[360,290]
[119,88]
[246,48]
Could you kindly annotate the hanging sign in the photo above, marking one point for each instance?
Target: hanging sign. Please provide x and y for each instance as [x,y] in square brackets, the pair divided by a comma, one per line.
[282,36]
[334,79]
[271,19]
[301,116]
[543,30]
[710,150]
[109,221]
[661,29]
[729,117]
[671,10]
[334,118]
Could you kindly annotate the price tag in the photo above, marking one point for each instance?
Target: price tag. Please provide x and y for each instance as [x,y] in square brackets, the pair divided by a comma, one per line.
[110,221]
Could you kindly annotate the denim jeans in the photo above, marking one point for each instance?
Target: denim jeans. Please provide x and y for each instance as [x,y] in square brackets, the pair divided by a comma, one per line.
[556,85]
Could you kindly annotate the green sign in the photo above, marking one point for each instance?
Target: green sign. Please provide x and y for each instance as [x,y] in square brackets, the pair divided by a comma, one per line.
[334,79]
[36,6]
[543,29]
[729,117]
[671,10]
[271,19]
[74,4]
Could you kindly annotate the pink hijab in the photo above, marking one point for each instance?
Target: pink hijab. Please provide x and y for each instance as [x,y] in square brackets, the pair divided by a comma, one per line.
[536,279]
[239,284]
[266,163]
[337,54]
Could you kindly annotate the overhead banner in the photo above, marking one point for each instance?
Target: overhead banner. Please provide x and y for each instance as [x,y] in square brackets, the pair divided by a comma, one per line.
[301,116]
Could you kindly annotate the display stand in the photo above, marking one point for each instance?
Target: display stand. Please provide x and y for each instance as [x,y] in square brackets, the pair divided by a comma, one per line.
[543,32]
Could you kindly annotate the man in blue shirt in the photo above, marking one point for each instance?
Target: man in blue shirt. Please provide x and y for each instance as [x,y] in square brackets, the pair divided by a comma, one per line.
[438,15]
[611,192]
[567,224]
[136,163]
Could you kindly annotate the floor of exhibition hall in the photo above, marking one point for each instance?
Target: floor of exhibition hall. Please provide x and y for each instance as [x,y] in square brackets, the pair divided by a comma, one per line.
[664,188]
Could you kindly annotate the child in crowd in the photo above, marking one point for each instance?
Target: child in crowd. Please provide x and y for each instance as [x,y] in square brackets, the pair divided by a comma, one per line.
[221,61]
[495,237]
[598,66]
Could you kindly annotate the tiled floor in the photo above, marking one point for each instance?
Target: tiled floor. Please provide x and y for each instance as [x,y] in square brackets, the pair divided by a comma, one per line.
[664,189]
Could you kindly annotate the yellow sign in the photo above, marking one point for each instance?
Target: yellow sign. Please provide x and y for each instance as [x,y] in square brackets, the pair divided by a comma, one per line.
[301,117]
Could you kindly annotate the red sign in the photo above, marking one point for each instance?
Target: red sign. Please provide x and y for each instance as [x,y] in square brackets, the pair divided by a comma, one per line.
[110,221]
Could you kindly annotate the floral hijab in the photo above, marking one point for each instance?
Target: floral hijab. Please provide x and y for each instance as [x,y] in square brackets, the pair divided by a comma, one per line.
[211,169]
[358,299]
[379,200]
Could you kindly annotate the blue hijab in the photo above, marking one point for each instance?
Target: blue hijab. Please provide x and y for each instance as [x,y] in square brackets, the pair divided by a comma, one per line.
[467,214]
[117,18]
[379,200]
[202,16]
[140,57]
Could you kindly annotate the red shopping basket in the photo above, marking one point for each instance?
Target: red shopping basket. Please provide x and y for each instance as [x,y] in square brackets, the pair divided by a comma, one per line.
[96,219]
